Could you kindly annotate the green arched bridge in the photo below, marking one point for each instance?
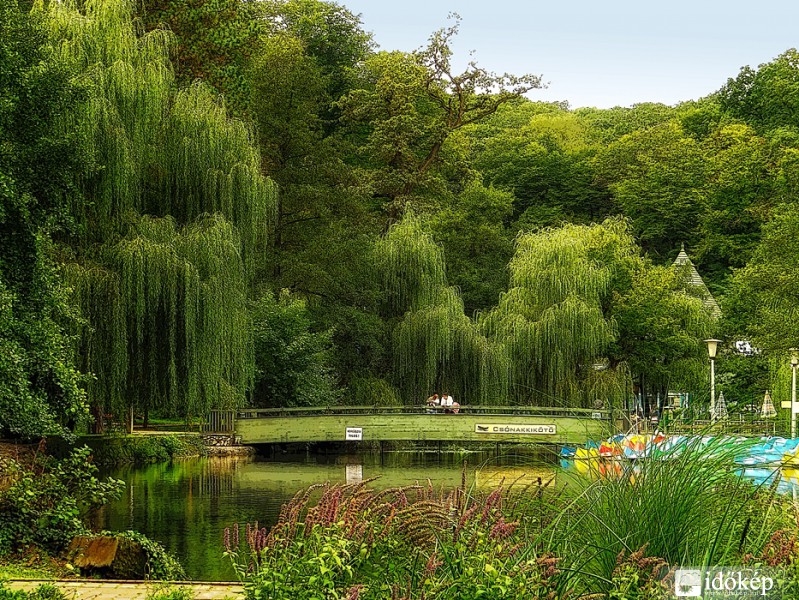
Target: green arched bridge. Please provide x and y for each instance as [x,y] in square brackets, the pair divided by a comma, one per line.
[417,424]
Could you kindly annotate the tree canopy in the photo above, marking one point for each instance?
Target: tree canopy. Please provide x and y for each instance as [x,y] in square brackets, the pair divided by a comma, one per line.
[208,204]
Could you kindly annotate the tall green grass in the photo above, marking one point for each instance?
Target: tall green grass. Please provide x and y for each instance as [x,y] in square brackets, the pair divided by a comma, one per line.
[689,507]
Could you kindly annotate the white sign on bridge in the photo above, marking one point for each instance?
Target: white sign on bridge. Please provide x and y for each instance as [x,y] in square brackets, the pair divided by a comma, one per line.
[354,434]
[516,429]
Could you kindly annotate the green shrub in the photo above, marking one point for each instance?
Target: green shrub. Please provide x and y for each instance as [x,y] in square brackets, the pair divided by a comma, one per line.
[46,505]
[45,591]
[161,564]
[358,543]
[147,449]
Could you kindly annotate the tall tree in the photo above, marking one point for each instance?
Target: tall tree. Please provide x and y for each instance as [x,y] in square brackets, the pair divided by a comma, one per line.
[40,390]
[571,320]
[546,161]
[766,98]
[331,35]
[435,346]
[164,295]
[215,40]
[658,179]
[765,300]
[412,105]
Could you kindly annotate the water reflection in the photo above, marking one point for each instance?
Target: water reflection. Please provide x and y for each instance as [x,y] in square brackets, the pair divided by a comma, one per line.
[186,504]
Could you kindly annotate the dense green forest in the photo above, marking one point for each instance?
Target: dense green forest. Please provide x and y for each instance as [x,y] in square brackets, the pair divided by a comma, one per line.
[217,204]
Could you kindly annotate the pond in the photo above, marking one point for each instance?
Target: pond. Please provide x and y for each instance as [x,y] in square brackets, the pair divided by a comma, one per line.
[186,505]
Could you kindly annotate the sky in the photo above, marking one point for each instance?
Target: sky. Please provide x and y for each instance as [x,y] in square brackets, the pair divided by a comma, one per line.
[603,53]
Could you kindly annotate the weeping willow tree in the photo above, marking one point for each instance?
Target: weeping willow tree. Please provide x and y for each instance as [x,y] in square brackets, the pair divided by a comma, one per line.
[436,347]
[552,320]
[171,225]
[586,313]
[160,150]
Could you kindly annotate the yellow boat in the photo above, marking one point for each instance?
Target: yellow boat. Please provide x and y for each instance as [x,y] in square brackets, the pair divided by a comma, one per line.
[586,453]
[790,459]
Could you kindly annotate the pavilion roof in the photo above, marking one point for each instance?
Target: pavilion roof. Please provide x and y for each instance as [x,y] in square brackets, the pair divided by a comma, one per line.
[695,279]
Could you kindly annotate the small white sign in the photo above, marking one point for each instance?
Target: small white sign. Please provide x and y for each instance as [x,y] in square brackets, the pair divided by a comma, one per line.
[354,473]
[785,404]
[596,415]
[354,434]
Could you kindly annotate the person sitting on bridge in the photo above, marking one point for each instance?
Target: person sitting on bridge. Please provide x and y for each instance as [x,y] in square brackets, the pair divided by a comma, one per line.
[432,402]
[450,405]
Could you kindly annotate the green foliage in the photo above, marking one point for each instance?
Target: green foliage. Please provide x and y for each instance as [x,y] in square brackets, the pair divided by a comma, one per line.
[546,161]
[118,450]
[742,188]
[215,40]
[164,295]
[477,246]
[767,97]
[685,509]
[45,591]
[46,505]
[409,107]
[552,320]
[435,345]
[131,177]
[291,360]
[40,390]
[656,176]
[39,387]
[371,391]
[161,564]
[176,318]
[661,326]
[765,298]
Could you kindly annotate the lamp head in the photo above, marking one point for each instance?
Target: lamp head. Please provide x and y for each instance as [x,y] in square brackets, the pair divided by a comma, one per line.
[712,347]
[794,357]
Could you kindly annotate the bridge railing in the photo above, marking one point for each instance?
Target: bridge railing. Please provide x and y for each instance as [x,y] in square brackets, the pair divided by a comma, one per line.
[539,411]
[220,421]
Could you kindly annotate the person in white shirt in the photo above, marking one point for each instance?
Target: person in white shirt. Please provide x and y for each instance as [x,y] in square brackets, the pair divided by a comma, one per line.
[449,402]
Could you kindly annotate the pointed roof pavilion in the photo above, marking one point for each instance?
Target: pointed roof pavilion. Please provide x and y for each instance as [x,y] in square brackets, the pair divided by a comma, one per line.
[768,411]
[695,279]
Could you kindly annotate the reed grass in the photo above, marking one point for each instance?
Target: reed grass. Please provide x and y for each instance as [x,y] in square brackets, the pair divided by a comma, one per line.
[688,507]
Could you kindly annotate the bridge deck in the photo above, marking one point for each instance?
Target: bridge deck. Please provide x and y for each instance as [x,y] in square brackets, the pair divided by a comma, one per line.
[471,424]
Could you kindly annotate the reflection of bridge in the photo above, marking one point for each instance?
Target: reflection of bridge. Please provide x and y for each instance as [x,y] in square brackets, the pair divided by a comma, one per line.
[385,424]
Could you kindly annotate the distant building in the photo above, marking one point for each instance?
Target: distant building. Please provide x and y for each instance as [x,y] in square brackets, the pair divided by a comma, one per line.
[695,280]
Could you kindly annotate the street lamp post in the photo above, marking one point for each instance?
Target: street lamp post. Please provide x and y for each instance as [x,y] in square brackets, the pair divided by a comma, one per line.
[794,407]
[712,349]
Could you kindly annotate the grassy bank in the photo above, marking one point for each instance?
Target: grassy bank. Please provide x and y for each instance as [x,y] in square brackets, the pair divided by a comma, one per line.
[120,449]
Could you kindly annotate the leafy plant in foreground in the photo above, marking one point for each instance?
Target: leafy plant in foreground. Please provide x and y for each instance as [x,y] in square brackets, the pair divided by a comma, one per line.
[409,542]
[45,505]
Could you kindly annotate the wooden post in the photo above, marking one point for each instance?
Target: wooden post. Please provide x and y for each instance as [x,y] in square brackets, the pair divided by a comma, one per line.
[130,420]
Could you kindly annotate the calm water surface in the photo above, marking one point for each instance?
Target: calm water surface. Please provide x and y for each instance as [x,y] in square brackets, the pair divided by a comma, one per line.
[186,505]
